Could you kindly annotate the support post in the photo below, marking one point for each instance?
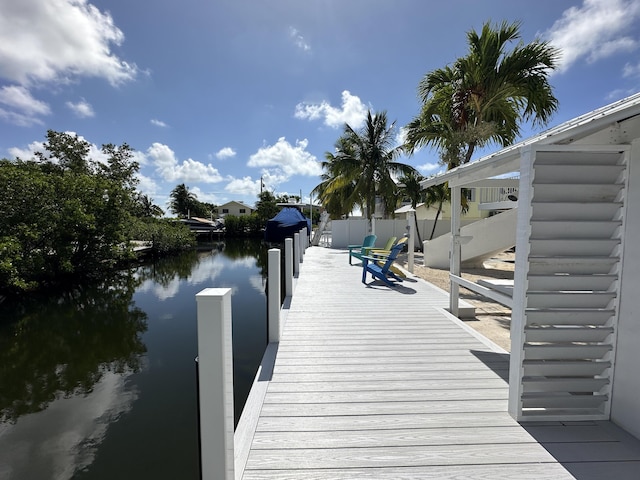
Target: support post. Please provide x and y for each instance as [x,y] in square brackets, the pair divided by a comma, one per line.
[296,253]
[273,320]
[215,378]
[455,253]
[288,267]
[411,215]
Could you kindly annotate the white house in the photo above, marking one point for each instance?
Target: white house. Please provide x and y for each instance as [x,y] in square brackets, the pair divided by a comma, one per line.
[234,208]
[575,328]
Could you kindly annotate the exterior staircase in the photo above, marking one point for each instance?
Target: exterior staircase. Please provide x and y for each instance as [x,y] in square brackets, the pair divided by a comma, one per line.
[569,252]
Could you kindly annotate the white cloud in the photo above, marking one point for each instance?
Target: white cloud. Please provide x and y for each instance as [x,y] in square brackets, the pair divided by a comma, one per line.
[188,171]
[82,109]
[54,40]
[29,153]
[429,167]
[22,108]
[631,71]
[352,111]
[595,30]
[158,123]
[290,159]
[243,186]
[26,153]
[299,40]
[226,152]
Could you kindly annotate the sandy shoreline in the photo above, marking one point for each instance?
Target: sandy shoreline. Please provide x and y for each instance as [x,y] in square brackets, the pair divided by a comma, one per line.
[493,320]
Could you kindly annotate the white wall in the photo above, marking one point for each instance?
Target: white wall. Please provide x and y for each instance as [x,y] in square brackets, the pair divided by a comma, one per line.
[353,230]
[625,403]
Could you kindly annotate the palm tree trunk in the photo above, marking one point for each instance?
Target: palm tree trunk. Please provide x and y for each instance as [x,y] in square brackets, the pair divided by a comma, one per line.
[472,147]
[415,220]
[436,220]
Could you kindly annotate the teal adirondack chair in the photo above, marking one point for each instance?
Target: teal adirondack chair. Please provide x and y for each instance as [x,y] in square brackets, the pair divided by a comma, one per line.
[382,271]
[359,251]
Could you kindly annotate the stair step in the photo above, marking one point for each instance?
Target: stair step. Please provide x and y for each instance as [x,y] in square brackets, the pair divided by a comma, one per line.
[567,334]
[566,352]
[568,316]
[566,368]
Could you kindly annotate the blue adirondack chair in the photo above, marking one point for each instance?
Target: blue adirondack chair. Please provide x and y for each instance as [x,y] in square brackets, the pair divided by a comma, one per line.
[380,266]
[359,251]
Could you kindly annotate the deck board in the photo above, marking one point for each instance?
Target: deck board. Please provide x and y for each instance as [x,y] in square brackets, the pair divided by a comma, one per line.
[374,382]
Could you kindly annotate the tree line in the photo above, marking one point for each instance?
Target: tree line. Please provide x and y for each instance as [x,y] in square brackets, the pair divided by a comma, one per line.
[480,99]
[66,216]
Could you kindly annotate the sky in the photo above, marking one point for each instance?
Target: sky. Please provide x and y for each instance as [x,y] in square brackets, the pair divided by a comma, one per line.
[220,94]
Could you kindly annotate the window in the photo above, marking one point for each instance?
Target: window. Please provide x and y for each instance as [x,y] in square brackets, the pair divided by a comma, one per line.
[243,210]
[225,210]
[470,194]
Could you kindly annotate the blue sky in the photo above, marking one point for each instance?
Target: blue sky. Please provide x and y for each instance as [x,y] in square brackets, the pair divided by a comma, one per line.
[216,94]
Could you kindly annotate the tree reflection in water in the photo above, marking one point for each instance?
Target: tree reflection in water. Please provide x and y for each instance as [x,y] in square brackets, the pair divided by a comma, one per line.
[62,345]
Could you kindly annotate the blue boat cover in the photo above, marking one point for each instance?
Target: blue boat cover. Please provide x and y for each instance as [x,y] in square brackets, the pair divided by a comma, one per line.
[285,224]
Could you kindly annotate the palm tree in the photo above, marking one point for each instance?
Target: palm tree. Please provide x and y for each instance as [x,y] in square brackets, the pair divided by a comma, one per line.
[437,195]
[182,200]
[484,95]
[337,191]
[410,188]
[146,207]
[364,165]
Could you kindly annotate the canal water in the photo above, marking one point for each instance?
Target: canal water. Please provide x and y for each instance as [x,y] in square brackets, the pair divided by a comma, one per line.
[99,382]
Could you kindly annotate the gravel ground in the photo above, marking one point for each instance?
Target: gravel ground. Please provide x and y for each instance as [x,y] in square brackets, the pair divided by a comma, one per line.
[492,320]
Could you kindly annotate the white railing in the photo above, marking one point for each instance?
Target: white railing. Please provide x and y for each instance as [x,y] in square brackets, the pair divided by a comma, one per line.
[219,457]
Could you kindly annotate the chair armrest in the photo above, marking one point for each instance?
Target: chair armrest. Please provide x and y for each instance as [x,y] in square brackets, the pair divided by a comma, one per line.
[354,246]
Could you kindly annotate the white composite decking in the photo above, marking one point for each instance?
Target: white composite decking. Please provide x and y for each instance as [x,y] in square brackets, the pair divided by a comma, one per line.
[371,382]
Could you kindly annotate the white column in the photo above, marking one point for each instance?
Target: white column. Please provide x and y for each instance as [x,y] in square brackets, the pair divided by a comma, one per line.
[288,267]
[411,224]
[273,281]
[215,378]
[454,255]
[296,254]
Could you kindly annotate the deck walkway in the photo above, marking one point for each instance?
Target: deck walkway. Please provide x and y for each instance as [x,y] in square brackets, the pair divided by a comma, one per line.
[377,383]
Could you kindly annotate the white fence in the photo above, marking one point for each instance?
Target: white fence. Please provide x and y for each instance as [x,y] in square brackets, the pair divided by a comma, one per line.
[353,230]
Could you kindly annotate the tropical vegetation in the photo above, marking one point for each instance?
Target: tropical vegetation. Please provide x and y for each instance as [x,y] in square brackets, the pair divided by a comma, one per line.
[363,168]
[67,216]
[484,96]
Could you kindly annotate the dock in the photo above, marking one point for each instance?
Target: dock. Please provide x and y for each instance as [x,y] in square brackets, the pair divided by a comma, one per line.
[370,382]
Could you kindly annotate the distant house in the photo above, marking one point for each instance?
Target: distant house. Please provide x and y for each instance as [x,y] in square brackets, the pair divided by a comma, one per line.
[483,200]
[237,209]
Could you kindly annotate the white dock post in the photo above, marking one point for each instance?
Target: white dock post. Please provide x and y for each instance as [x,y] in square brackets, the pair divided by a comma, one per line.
[296,253]
[215,379]
[288,267]
[273,267]
[301,240]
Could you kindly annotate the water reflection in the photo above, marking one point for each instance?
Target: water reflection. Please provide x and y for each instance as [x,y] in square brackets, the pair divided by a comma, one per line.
[99,382]
[63,367]
[63,345]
